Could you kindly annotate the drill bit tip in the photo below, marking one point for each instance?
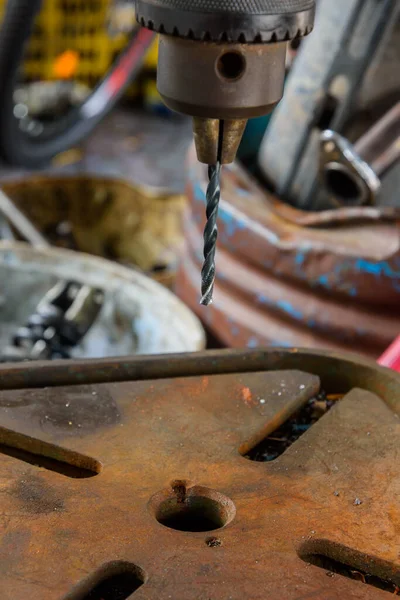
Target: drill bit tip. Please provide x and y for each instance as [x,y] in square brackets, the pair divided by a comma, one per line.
[207,292]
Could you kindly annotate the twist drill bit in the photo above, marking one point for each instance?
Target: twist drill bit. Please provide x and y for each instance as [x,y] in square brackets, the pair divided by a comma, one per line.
[210,234]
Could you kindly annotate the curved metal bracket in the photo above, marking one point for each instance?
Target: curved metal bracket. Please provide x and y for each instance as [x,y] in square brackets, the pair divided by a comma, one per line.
[346,177]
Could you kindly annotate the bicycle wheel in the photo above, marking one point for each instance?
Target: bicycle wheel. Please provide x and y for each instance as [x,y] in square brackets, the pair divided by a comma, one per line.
[31,135]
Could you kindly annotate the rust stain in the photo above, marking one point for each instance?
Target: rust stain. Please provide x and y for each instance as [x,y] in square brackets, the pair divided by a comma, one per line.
[205,383]
[247,397]
[35,496]
[13,544]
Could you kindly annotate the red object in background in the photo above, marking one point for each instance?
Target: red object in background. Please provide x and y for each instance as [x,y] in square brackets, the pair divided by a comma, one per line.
[391,357]
[134,55]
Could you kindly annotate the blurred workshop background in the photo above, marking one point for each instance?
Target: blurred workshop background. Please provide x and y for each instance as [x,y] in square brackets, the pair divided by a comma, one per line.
[103,203]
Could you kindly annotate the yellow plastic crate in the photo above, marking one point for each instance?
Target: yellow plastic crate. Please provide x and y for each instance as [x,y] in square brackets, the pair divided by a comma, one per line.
[77,25]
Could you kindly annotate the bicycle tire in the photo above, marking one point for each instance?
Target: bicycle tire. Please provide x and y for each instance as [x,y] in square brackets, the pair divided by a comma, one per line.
[17,147]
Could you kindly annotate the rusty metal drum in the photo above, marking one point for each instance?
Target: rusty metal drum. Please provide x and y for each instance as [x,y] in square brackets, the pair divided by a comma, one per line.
[294,278]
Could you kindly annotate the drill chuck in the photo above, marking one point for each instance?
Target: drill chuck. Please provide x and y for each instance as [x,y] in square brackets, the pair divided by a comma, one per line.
[223,60]
[220,81]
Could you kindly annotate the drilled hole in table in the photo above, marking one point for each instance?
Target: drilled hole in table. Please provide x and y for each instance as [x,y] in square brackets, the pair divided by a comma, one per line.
[334,567]
[278,441]
[194,514]
[195,509]
[116,581]
[117,587]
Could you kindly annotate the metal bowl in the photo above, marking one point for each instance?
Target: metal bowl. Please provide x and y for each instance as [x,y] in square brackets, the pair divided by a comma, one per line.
[139,316]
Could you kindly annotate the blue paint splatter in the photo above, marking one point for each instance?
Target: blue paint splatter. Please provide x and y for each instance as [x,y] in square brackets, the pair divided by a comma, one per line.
[281,344]
[242,192]
[262,298]
[284,305]
[253,342]
[378,268]
[230,222]
[199,193]
[290,310]
[324,280]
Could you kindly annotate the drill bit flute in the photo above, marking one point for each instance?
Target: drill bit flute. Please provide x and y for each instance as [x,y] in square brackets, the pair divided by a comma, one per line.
[210,234]
[222,61]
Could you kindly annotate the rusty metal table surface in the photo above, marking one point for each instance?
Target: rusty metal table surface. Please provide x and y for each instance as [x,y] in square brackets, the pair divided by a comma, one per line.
[124,445]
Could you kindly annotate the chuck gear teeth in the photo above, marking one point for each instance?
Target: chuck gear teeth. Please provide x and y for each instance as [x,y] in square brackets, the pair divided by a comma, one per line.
[250,21]
[242,37]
